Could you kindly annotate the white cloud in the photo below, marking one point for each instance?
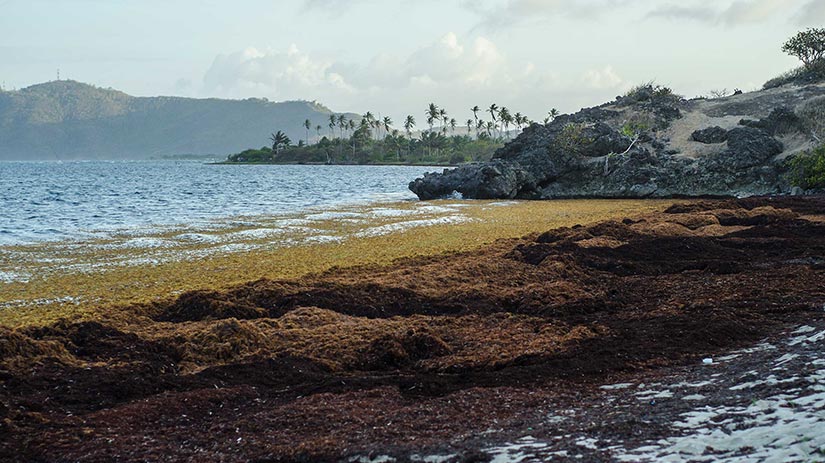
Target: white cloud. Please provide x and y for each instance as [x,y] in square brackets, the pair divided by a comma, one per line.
[735,13]
[452,71]
[515,12]
[602,79]
[283,75]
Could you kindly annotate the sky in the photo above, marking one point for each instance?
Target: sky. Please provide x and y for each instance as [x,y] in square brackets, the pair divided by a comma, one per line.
[393,57]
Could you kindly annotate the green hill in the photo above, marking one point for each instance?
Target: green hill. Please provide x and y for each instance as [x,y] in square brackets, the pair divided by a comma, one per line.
[72,120]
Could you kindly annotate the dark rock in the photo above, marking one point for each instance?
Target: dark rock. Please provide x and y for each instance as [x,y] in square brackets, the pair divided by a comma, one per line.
[748,147]
[496,180]
[711,135]
[779,122]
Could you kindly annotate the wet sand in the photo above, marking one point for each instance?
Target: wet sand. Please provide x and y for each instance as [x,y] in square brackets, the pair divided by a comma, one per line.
[583,343]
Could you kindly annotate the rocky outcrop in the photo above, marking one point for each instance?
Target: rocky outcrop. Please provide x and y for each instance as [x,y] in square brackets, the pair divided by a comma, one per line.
[710,135]
[643,146]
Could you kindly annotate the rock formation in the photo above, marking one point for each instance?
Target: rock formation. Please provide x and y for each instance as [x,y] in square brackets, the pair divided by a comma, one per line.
[650,143]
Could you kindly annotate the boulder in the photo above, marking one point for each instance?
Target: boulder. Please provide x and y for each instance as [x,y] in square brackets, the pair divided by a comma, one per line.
[711,135]
[496,180]
[748,147]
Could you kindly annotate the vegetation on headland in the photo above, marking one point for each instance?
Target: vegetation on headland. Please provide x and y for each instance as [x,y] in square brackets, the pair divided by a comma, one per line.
[374,140]
[809,47]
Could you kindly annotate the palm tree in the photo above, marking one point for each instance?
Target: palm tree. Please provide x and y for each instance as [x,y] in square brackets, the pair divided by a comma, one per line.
[475,109]
[442,114]
[409,124]
[342,123]
[432,115]
[470,125]
[386,122]
[279,140]
[369,119]
[493,110]
[491,127]
[332,124]
[318,131]
[453,123]
[506,119]
[517,119]
[307,126]
[552,114]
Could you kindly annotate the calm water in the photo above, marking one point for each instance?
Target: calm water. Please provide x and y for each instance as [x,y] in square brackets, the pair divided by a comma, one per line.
[51,200]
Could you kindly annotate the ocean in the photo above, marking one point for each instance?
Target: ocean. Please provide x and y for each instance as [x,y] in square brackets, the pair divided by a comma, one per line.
[48,201]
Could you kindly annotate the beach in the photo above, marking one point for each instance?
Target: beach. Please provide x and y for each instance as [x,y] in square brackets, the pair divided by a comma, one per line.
[489,331]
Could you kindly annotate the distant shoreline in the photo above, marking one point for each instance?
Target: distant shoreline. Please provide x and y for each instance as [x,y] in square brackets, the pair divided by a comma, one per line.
[400,164]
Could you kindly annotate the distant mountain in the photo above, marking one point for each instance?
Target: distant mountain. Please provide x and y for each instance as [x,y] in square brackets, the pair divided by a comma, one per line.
[72,120]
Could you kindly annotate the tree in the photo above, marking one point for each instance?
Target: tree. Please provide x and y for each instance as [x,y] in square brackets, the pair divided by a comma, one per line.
[475,109]
[318,131]
[493,110]
[808,46]
[432,115]
[470,125]
[279,140]
[342,123]
[307,126]
[506,119]
[442,114]
[332,123]
[518,119]
[386,123]
[409,124]
[453,123]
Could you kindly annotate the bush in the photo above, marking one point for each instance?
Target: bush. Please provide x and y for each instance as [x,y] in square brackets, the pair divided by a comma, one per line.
[808,169]
[802,75]
[650,93]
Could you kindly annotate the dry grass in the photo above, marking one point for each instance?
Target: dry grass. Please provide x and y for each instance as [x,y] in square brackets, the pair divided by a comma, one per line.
[54,291]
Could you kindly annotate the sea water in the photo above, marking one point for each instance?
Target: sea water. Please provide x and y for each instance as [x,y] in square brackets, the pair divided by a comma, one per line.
[46,201]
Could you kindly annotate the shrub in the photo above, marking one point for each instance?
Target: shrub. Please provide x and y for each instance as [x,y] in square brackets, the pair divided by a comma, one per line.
[650,92]
[808,169]
[802,75]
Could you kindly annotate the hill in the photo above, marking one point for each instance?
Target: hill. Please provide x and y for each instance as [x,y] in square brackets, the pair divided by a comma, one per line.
[72,120]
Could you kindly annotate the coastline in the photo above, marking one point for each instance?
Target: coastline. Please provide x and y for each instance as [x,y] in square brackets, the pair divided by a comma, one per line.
[84,279]
[407,164]
[584,339]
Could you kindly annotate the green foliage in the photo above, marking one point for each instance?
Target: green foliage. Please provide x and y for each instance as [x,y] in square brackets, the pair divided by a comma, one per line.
[638,124]
[808,46]
[801,75]
[650,92]
[360,148]
[572,137]
[807,170]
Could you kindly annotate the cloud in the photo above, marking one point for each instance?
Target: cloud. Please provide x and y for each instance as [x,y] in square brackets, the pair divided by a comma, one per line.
[284,75]
[677,12]
[753,11]
[516,12]
[602,79]
[293,74]
[811,14]
[736,13]
[452,71]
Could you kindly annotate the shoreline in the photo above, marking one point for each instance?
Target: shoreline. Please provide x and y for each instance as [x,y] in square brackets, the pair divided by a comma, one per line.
[584,340]
[81,278]
[399,164]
